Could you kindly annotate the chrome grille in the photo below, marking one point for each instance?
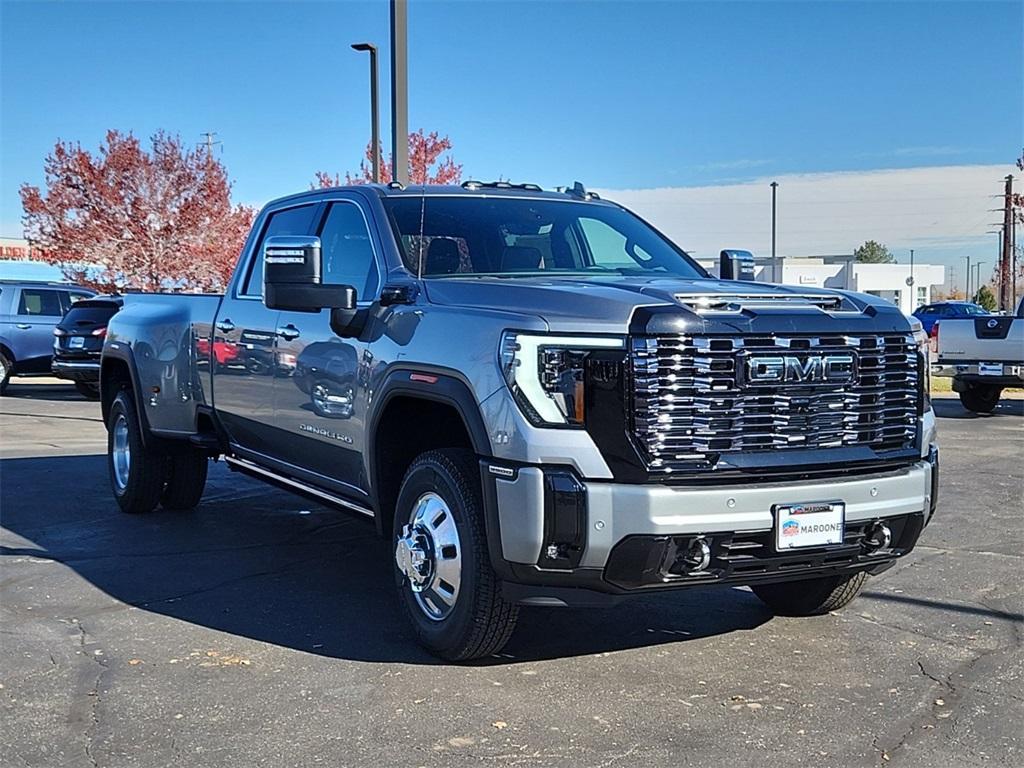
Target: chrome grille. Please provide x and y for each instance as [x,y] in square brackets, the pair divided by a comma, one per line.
[691,407]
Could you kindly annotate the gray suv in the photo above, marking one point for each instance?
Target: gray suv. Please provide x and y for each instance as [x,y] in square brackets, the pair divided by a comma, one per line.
[29,313]
[539,400]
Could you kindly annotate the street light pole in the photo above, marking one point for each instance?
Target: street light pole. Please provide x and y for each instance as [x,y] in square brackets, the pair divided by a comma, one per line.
[967,288]
[977,276]
[374,109]
[400,91]
[775,263]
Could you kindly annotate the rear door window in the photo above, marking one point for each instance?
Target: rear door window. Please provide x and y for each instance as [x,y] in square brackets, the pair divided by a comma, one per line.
[39,302]
[290,221]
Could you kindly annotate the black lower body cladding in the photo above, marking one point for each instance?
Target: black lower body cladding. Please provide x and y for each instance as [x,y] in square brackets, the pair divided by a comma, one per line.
[644,562]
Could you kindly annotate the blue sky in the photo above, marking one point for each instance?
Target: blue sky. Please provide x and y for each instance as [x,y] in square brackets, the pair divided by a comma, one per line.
[623,95]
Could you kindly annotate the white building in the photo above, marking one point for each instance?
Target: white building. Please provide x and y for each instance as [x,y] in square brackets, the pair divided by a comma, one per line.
[888,281]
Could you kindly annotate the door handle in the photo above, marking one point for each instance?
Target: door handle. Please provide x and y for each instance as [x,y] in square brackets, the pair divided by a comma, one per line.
[225,326]
[24,326]
[288,332]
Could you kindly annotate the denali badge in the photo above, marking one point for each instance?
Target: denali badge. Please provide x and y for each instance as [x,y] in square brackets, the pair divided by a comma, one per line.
[809,369]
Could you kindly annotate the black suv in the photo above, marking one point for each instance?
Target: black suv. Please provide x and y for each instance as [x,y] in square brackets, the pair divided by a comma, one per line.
[78,342]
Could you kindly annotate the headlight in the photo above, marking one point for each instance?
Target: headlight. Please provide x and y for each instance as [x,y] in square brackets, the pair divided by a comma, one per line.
[546,374]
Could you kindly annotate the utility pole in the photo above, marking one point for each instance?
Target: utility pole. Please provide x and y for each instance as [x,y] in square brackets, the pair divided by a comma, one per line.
[209,142]
[952,280]
[400,91]
[1005,276]
[775,263]
[1013,261]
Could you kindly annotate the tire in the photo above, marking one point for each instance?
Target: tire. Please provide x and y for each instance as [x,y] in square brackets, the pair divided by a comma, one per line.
[472,620]
[811,597]
[136,479]
[981,398]
[5,373]
[88,390]
[186,479]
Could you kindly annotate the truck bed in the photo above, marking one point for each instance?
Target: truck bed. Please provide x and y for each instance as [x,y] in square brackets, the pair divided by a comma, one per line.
[167,339]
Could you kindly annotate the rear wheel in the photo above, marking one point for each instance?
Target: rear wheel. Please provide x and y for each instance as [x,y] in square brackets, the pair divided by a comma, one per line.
[88,390]
[811,597]
[442,569]
[981,398]
[186,479]
[136,473]
[5,373]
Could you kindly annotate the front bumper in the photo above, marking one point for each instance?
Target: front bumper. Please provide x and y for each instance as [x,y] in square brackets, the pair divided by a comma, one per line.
[551,533]
[77,370]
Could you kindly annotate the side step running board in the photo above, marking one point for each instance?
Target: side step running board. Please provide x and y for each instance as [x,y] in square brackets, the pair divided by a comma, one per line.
[290,484]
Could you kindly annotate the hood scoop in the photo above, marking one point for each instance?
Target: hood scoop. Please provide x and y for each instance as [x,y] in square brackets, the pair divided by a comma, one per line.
[735,303]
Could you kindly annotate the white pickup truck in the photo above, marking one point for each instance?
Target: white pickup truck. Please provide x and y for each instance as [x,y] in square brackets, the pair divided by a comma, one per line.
[983,355]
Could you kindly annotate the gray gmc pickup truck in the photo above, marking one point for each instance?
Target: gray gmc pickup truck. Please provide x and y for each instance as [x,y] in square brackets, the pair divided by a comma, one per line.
[539,400]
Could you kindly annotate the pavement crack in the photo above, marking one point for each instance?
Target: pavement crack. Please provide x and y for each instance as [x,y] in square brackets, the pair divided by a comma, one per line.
[943,682]
[93,691]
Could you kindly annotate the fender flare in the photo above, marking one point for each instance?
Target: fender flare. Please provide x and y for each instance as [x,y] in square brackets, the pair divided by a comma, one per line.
[123,354]
[425,382]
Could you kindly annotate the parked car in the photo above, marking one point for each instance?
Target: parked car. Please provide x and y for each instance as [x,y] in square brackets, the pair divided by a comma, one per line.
[29,312]
[539,400]
[930,314]
[78,342]
[983,355]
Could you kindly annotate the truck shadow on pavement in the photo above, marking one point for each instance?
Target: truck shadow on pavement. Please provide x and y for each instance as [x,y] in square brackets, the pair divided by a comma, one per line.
[266,565]
[950,408]
[36,391]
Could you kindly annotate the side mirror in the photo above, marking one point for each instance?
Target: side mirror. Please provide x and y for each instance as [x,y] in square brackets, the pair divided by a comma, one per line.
[292,271]
[736,265]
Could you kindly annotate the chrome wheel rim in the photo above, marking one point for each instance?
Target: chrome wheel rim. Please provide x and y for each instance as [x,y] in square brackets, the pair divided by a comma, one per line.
[121,452]
[429,554]
[329,403]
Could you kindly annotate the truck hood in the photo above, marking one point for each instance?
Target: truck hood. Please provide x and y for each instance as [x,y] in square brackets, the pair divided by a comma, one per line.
[617,304]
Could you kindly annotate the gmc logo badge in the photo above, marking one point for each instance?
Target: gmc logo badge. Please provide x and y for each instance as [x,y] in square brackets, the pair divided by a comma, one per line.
[804,369]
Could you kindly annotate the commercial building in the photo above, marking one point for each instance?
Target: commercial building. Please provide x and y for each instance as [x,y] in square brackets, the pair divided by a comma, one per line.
[893,282]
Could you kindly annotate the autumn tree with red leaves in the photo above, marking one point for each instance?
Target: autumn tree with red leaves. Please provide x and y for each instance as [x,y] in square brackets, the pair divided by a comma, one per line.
[128,218]
[426,166]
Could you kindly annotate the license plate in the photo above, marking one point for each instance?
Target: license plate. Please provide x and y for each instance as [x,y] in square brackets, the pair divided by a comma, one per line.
[76,342]
[990,369]
[811,524]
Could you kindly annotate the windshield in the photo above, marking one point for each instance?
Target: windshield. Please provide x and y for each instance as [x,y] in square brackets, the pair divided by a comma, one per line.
[465,235]
[974,309]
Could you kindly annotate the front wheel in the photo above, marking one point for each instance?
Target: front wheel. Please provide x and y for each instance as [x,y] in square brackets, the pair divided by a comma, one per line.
[442,570]
[811,597]
[981,398]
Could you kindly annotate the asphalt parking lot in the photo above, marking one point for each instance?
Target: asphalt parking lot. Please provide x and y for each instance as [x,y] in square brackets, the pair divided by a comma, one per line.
[260,630]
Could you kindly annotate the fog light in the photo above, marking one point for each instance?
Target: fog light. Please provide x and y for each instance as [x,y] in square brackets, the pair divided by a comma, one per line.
[879,537]
[697,556]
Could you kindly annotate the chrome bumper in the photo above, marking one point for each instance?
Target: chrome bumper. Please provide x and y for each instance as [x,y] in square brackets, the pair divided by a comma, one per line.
[950,370]
[614,511]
